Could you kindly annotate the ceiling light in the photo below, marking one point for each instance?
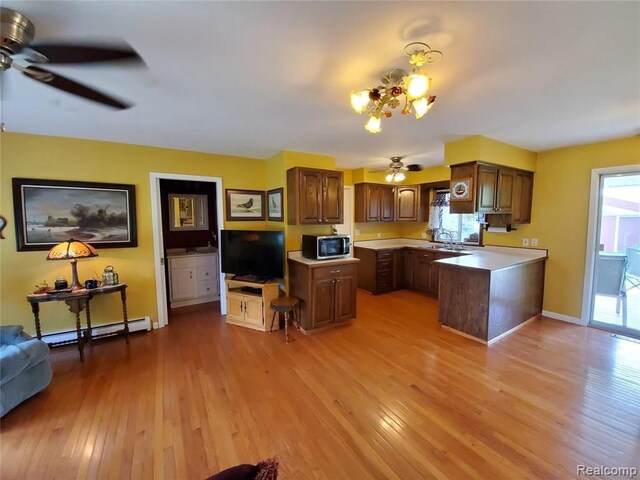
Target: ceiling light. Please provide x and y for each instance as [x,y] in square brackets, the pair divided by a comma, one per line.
[399,87]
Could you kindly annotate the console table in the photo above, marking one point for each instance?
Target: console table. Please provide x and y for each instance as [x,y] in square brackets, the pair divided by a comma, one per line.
[77,301]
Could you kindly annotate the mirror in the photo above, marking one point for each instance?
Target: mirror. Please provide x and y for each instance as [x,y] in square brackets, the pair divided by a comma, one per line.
[188,212]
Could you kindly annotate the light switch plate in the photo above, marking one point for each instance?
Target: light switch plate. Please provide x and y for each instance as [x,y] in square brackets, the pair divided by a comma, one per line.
[534,242]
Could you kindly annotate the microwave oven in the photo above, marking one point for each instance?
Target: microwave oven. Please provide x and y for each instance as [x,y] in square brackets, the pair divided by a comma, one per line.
[325,247]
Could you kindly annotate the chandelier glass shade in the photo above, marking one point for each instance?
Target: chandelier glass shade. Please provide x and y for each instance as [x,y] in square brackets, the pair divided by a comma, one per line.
[399,87]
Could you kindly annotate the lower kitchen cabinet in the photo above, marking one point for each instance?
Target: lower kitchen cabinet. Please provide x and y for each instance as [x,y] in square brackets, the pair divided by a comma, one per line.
[327,294]
[193,279]
[377,272]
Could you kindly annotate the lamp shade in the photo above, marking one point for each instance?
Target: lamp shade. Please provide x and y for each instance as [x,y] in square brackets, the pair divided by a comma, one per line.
[71,249]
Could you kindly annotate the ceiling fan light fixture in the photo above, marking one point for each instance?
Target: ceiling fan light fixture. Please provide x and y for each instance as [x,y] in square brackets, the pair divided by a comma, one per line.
[399,88]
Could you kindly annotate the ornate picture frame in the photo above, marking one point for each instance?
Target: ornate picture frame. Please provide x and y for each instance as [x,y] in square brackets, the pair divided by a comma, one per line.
[275,205]
[48,212]
[244,205]
[460,189]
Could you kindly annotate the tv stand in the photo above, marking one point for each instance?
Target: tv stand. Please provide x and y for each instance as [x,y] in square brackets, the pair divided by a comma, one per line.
[248,303]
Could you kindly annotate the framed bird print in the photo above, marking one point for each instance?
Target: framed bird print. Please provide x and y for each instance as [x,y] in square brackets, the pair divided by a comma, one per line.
[274,205]
[244,205]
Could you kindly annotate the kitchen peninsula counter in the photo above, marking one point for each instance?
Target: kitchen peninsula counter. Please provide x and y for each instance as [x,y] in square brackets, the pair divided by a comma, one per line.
[485,293]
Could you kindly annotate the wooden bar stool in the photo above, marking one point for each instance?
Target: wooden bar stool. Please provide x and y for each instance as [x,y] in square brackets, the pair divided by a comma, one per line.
[286,305]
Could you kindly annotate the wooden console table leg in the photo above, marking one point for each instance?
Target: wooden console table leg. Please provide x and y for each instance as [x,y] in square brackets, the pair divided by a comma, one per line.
[89,328]
[79,334]
[35,308]
[123,297]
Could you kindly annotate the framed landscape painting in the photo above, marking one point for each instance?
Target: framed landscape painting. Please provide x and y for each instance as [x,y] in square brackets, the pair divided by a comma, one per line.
[245,205]
[274,205]
[48,212]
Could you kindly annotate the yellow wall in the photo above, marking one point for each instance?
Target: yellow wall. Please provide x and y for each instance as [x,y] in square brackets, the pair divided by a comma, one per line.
[32,156]
[560,215]
[478,147]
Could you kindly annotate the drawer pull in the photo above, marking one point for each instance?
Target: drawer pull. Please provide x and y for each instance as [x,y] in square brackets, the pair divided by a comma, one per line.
[335,271]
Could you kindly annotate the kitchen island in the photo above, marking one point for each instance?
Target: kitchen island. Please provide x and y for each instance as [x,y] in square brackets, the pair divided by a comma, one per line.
[484,292]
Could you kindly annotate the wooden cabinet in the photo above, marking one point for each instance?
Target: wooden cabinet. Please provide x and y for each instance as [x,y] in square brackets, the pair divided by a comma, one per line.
[248,304]
[314,196]
[408,262]
[377,271]
[374,202]
[327,294]
[495,190]
[193,279]
[426,273]
[407,201]
[522,196]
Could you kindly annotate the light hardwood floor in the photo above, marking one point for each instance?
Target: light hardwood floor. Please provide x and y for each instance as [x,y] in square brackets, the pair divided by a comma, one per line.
[391,396]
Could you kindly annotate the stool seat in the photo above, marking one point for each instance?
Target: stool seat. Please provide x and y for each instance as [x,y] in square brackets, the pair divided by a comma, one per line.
[285,305]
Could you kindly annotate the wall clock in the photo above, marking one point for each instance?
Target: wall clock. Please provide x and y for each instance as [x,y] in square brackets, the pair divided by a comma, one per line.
[460,189]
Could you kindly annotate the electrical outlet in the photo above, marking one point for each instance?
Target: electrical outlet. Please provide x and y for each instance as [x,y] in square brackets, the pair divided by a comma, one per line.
[379,235]
[424,234]
[357,231]
[534,242]
[525,242]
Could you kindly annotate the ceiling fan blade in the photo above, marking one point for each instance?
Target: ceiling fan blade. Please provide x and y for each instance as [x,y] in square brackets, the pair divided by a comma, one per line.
[414,168]
[62,53]
[57,81]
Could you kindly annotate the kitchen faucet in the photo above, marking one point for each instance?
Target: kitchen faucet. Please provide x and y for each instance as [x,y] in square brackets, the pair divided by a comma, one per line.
[449,234]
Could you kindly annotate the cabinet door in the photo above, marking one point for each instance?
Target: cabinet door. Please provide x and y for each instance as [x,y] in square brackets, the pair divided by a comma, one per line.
[345,298]
[407,203]
[183,284]
[253,310]
[504,195]
[434,279]
[372,201]
[386,203]
[423,272]
[332,198]
[235,307]
[408,261]
[522,196]
[310,196]
[323,293]
[487,188]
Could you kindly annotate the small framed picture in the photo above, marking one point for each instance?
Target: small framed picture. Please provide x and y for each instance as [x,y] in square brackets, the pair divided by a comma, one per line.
[460,189]
[245,205]
[274,205]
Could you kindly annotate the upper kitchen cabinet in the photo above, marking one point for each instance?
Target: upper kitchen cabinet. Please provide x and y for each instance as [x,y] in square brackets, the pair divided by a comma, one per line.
[407,200]
[374,202]
[480,187]
[314,196]
[522,196]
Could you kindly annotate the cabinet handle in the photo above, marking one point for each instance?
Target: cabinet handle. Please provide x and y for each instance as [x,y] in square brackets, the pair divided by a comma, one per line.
[190,274]
[207,274]
[335,271]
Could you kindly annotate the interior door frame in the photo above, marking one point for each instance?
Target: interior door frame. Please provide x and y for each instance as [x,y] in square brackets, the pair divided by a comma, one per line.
[592,232]
[158,244]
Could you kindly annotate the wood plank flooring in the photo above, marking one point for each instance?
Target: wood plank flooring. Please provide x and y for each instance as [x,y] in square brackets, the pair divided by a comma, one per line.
[390,396]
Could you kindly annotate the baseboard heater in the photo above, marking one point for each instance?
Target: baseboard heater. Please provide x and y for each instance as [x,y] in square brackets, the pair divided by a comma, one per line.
[69,336]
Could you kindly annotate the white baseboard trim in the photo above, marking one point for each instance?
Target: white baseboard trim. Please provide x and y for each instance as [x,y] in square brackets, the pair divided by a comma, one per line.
[564,318]
[135,325]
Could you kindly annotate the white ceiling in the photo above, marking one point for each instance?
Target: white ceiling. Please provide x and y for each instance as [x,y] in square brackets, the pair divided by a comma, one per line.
[254,78]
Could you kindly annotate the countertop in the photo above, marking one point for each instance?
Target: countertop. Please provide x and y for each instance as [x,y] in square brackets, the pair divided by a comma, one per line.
[296,256]
[182,252]
[482,258]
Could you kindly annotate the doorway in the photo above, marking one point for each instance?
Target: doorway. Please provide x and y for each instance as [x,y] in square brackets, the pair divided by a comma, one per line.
[613,253]
[158,241]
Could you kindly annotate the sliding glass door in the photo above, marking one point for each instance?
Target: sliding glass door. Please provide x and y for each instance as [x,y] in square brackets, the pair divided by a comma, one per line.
[615,302]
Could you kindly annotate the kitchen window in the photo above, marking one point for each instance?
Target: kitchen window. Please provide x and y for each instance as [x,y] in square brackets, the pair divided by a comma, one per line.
[463,228]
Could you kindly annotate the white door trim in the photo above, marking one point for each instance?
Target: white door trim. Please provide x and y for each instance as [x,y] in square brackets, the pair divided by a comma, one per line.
[592,232]
[158,246]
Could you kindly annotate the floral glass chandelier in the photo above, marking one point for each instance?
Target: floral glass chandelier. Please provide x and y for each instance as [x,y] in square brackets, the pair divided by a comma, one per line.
[399,87]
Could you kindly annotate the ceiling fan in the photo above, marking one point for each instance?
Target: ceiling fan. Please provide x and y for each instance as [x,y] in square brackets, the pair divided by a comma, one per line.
[16,37]
[397,168]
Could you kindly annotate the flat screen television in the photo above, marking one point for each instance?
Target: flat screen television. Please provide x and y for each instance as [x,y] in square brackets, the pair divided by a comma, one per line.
[254,255]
